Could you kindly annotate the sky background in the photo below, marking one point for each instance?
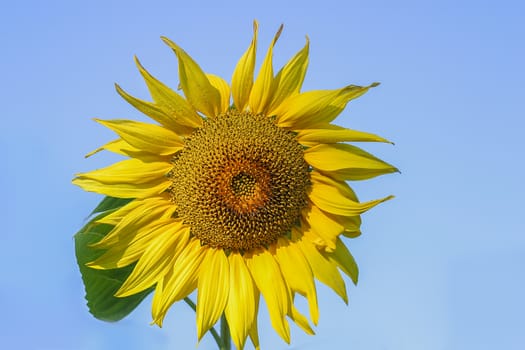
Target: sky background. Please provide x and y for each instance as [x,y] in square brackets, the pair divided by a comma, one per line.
[441,267]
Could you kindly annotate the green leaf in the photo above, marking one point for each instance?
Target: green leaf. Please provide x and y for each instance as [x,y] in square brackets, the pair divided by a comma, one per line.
[101,285]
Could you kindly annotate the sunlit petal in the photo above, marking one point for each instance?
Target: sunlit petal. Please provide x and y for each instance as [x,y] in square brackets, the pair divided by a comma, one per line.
[263,88]
[213,289]
[195,84]
[242,79]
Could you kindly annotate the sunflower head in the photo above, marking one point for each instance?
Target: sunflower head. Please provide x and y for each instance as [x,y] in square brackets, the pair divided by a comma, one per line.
[237,190]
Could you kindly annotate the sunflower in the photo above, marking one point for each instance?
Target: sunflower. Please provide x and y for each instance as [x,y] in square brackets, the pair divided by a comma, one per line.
[237,190]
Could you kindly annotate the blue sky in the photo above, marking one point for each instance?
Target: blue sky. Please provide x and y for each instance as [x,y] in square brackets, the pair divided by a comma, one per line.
[441,266]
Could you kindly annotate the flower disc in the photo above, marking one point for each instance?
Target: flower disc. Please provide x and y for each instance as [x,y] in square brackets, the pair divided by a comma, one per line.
[240,182]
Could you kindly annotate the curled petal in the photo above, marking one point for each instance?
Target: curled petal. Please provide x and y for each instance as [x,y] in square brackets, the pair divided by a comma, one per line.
[320,225]
[337,198]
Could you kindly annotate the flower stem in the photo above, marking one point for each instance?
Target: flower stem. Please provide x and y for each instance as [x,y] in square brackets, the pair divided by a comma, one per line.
[225,334]
[213,332]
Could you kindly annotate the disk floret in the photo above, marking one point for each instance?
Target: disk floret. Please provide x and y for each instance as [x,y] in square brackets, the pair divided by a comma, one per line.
[240,181]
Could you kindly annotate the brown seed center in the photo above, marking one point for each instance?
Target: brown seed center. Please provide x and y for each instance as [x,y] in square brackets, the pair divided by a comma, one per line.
[245,187]
[240,182]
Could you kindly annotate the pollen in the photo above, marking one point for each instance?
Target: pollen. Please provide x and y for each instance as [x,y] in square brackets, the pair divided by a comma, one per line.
[240,181]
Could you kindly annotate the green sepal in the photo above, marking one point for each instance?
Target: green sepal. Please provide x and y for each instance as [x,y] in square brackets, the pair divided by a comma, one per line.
[101,285]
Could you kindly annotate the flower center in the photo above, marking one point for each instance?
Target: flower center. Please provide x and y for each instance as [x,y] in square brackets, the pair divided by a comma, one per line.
[245,192]
[243,184]
[240,182]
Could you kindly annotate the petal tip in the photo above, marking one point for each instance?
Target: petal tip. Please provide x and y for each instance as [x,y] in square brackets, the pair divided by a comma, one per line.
[94,265]
[279,31]
[171,44]
[137,62]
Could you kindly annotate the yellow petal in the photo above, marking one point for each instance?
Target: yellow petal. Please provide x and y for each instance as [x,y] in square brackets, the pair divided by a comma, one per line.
[156,304]
[254,331]
[342,257]
[322,226]
[137,215]
[196,86]
[179,111]
[156,260]
[300,320]
[147,137]
[146,214]
[116,216]
[312,108]
[131,248]
[347,94]
[262,90]
[341,186]
[352,225]
[129,171]
[333,134]
[290,78]
[334,197]
[324,270]
[313,237]
[242,79]
[213,289]
[118,146]
[243,300]
[349,226]
[346,162]
[124,190]
[268,278]
[182,279]
[148,108]
[297,273]
[224,90]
